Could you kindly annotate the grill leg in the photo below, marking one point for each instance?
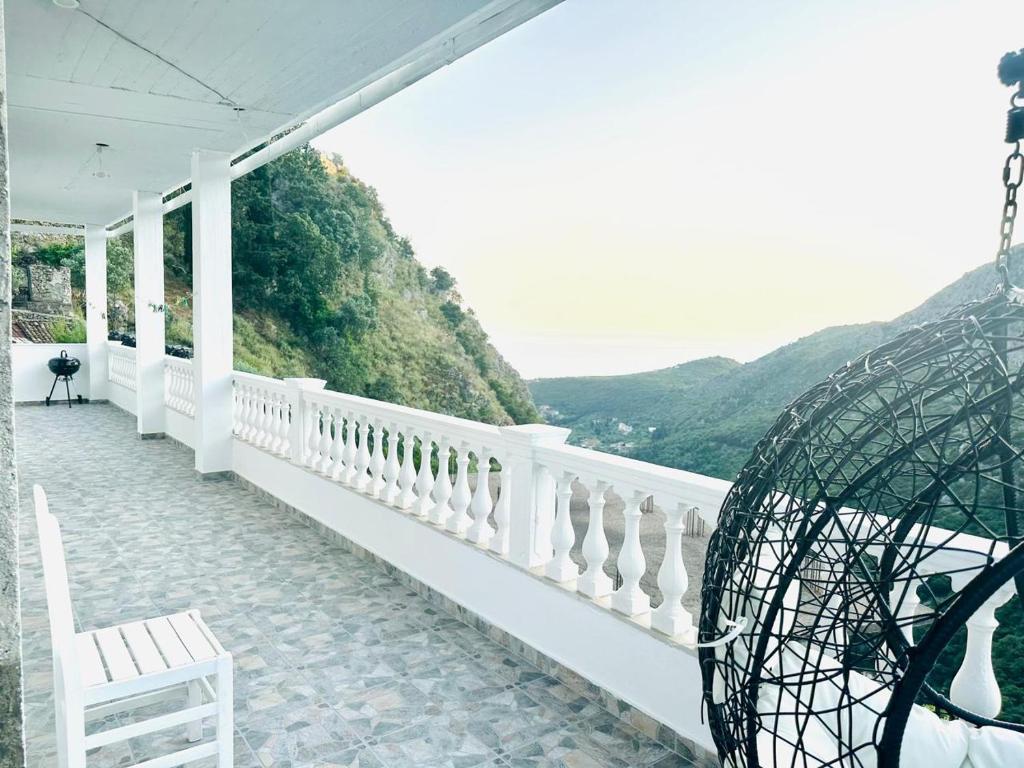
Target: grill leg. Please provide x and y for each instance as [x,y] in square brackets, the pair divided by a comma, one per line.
[54,386]
[67,388]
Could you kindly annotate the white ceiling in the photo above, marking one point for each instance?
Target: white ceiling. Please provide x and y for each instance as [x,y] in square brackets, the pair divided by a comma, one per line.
[156,79]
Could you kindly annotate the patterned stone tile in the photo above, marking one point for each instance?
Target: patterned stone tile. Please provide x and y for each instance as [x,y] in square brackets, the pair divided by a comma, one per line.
[337,661]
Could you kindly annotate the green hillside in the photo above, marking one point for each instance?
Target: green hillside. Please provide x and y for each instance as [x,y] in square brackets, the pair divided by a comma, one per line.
[324,287]
[619,412]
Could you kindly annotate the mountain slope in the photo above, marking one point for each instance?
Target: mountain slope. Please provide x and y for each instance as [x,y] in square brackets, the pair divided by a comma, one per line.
[619,412]
[712,427]
[324,287]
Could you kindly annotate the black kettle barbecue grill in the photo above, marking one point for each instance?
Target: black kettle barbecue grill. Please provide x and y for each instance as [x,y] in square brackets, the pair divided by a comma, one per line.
[65,368]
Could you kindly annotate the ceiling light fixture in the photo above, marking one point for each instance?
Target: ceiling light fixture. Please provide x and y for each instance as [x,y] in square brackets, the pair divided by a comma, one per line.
[68,4]
[99,173]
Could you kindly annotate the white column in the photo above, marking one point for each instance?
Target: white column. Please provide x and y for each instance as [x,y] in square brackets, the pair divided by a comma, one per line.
[149,312]
[96,308]
[212,326]
[531,496]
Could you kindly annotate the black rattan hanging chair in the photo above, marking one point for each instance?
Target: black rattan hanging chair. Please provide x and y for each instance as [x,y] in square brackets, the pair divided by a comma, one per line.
[875,518]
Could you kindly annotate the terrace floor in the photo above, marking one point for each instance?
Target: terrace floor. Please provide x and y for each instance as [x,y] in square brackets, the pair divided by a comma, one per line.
[336,663]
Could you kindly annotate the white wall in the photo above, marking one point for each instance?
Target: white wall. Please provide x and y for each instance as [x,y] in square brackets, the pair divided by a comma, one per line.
[179,426]
[122,397]
[32,379]
[654,675]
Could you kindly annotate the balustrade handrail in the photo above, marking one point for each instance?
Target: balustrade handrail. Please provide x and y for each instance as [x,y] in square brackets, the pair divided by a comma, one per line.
[260,380]
[453,426]
[665,483]
[118,348]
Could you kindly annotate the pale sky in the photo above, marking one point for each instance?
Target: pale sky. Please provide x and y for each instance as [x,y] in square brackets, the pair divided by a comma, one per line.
[621,185]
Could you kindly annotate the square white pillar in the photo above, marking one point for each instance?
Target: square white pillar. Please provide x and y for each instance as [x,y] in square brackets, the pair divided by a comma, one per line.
[148,226]
[96,308]
[212,320]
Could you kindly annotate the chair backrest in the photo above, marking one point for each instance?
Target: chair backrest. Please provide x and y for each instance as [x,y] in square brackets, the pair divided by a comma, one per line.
[58,596]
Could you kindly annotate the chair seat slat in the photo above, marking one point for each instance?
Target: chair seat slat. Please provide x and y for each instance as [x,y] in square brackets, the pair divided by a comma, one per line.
[143,649]
[89,659]
[115,654]
[168,643]
[195,643]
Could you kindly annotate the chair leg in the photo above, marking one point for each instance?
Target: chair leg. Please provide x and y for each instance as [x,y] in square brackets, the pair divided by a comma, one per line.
[73,738]
[195,699]
[225,714]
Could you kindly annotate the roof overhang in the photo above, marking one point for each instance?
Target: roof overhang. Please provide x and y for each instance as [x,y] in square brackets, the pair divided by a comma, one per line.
[157,80]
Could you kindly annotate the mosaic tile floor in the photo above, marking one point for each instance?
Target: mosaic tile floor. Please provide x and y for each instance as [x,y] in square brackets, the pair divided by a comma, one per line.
[336,663]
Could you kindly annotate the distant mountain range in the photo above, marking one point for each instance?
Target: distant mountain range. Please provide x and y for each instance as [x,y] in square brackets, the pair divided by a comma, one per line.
[706,415]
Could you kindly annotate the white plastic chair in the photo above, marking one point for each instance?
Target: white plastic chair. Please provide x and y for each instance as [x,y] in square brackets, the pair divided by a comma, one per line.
[99,673]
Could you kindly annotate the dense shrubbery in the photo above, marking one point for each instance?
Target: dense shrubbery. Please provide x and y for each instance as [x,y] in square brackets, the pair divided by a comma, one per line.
[324,287]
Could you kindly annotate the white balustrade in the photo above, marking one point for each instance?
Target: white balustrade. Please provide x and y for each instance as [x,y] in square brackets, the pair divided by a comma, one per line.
[121,365]
[370,446]
[262,413]
[179,386]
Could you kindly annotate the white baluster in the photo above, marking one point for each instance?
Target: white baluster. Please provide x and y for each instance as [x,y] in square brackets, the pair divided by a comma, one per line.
[595,582]
[481,532]
[442,491]
[246,413]
[313,436]
[376,486]
[324,447]
[362,479]
[974,686]
[284,425]
[236,410]
[459,521]
[337,446]
[348,456]
[561,568]
[904,602]
[407,475]
[267,419]
[630,599]
[503,510]
[670,617]
[170,378]
[190,391]
[274,408]
[425,478]
[392,468]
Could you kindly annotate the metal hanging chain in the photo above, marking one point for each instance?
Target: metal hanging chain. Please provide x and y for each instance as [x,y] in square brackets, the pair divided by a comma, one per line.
[1011,73]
